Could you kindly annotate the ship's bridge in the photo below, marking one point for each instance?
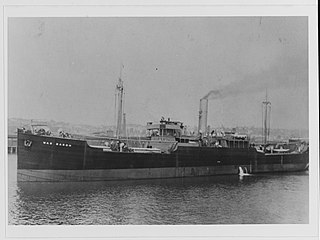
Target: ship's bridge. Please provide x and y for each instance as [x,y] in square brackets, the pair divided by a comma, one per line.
[165,129]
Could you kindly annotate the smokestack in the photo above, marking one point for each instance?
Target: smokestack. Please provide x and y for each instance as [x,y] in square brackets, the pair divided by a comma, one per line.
[203,116]
[203,111]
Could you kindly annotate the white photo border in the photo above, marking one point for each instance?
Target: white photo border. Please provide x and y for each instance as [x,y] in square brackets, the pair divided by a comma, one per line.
[143,8]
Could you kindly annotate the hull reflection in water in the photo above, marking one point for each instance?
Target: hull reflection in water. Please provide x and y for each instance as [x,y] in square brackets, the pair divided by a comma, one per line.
[266,198]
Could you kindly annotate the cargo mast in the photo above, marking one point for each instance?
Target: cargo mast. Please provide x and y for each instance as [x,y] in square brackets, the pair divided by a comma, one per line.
[266,121]
[119,93]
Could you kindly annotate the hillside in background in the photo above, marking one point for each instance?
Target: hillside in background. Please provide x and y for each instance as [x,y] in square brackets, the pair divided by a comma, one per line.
[81,129]
[135,130]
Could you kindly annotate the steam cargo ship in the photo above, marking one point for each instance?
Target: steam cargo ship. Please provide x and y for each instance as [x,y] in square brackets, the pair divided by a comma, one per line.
[164,153]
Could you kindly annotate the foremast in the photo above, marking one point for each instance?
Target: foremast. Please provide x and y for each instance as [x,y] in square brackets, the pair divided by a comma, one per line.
[119,105]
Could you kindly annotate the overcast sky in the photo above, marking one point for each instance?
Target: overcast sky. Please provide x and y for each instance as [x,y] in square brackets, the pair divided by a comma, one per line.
[66,69]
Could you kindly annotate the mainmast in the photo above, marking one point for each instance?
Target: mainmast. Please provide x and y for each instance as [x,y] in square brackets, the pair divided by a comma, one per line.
[266,121]
[119,92]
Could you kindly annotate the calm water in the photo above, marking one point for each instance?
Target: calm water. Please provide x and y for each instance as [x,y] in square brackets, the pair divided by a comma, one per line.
[268,199]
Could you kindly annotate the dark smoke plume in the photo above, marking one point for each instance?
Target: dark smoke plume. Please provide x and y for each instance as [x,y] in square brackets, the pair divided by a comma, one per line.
[284,75]
[212,94]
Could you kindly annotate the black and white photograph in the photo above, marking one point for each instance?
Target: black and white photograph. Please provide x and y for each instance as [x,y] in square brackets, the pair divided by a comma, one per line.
[160,120]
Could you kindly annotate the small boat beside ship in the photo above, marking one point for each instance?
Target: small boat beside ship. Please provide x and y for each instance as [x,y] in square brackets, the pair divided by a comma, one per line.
[166,152]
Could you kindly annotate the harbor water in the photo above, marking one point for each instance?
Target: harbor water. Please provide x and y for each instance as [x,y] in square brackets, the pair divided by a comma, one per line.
[250,199]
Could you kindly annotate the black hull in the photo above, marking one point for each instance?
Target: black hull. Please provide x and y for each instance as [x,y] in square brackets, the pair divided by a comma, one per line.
[59,159]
